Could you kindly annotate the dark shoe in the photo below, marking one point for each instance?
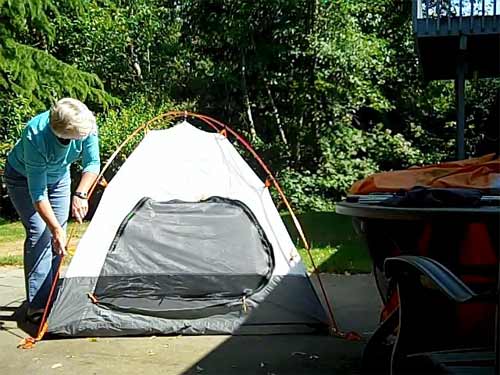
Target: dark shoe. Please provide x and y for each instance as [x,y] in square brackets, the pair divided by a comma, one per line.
[34,315]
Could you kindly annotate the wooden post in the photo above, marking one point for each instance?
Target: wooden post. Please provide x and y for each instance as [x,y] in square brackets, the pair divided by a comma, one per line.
[460,99]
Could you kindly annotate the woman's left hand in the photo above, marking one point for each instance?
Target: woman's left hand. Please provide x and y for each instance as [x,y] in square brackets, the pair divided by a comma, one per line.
[79,208]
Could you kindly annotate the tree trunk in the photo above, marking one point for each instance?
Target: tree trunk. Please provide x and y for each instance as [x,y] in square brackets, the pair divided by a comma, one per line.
[276,115]
[246,97]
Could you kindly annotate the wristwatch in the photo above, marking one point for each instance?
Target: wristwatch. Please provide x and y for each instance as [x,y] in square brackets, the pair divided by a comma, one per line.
[81,195]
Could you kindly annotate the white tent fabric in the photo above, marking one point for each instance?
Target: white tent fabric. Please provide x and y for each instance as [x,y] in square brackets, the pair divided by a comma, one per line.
[188,164]
[184,164]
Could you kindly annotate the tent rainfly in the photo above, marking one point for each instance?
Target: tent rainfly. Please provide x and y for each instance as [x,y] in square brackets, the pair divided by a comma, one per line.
[186,240]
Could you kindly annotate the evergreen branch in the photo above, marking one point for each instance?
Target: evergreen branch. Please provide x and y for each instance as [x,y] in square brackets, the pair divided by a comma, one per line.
[36,74]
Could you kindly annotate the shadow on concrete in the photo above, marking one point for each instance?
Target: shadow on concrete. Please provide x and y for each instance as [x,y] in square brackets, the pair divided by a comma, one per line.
[282,354]
[10,313]
[5,311]
[17,314]
[10,331]
[356,308]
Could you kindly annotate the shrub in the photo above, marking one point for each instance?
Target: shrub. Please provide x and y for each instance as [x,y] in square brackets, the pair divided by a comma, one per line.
[349,154]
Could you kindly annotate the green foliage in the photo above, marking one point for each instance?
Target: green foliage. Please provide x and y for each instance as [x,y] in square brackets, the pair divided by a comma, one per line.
[34,74]
[117,124]
[350,65]
[27,69]
[349,154]
[132,45]
[327,91]
[424,112]
[31,79]
[14,113]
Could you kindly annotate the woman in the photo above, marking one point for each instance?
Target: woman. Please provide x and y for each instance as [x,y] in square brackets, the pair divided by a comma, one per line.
[37,176]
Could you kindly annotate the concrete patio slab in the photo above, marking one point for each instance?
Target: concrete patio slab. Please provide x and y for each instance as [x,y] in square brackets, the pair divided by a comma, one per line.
[356,308]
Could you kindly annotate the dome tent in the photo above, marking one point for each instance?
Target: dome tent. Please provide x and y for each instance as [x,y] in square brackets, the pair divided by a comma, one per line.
[186,240]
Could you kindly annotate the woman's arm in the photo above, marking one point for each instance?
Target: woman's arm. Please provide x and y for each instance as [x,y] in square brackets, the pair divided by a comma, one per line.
[87,180]
[91,166]
[44,209]
[80,206]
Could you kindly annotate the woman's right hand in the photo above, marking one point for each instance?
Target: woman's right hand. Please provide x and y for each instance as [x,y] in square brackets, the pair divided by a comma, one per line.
[59,241]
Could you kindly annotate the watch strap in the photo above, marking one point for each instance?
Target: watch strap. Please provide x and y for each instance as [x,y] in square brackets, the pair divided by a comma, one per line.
[81,195]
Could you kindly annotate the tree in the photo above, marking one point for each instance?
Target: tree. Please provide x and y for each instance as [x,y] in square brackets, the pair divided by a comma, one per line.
[328,91]
[422,111]
[27,69]
[30,77]
[131,45]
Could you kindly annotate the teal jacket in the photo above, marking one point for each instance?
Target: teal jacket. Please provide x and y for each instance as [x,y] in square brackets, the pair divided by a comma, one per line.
[44,160]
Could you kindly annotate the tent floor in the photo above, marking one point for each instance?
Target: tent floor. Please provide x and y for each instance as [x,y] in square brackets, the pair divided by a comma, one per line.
[356,307]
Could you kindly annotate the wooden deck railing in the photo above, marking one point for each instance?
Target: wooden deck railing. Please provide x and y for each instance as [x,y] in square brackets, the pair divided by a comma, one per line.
[456,16]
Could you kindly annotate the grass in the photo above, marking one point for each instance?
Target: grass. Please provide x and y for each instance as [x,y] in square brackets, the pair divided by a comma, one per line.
[10,232]
[12,240]
[11,260]
[11,243]
[335,248]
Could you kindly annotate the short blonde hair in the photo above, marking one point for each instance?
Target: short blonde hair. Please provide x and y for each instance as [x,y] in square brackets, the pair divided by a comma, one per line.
[71,119]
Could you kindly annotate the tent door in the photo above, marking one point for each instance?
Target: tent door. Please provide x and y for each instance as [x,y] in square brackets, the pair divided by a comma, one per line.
[185,260]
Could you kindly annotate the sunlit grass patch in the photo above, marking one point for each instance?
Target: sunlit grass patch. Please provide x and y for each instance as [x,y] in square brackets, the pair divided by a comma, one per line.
[11,260]
[12,241]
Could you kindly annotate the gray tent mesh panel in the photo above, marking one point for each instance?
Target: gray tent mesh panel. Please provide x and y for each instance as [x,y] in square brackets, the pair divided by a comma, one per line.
[185,260]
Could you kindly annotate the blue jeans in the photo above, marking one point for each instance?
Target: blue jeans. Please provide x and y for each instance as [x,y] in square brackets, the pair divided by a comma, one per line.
[39,262]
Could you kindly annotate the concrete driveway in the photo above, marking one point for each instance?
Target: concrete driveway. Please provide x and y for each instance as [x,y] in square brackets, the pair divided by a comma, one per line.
[356,307]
